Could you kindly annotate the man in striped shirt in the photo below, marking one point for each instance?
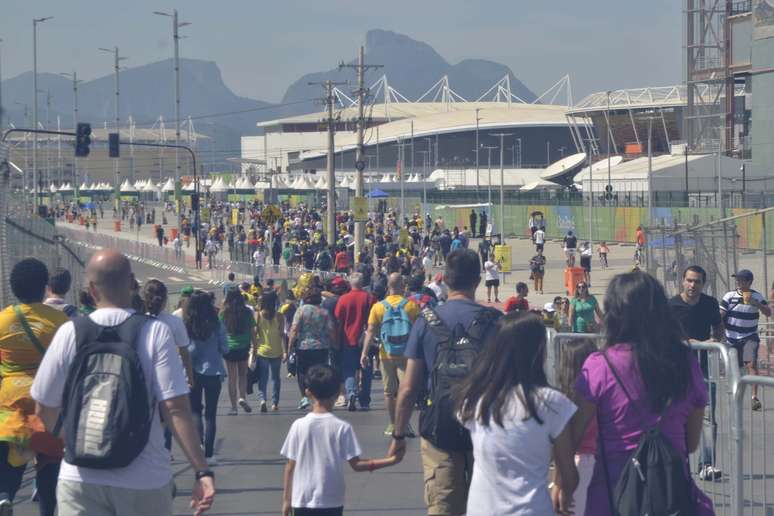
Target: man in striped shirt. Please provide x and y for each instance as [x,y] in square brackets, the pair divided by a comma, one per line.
[740,310]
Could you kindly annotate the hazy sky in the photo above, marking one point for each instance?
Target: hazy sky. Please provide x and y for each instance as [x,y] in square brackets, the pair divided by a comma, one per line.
[262,46]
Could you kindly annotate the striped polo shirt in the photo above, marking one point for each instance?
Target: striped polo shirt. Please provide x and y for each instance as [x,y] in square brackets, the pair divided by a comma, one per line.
[741,320]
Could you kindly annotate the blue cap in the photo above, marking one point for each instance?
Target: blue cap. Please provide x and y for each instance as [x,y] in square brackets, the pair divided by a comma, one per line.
[744,275]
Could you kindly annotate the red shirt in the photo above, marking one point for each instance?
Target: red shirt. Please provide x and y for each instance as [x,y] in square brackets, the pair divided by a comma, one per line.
[342,261]
[514,303]
[352,313]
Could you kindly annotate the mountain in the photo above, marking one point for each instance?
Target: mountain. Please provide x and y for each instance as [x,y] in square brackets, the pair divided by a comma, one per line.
[146,92]
[412,67]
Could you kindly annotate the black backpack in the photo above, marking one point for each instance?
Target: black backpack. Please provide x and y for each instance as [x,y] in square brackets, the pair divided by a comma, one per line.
[106,409]
[456,351]
[655,478]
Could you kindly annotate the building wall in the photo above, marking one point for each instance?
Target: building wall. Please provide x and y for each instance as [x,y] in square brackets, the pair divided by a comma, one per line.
[279,146]
[763,111]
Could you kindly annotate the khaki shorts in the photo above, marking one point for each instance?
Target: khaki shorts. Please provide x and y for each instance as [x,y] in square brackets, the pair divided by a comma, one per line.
[393,370]
[447,477]
[83,499]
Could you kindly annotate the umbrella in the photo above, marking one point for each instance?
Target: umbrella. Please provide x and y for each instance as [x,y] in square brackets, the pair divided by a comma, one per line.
[377,194]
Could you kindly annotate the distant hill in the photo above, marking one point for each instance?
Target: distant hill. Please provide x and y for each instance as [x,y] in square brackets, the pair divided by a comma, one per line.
[412,67]
[147,91]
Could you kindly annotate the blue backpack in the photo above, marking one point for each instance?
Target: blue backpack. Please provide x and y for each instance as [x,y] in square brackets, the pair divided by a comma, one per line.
[395,329]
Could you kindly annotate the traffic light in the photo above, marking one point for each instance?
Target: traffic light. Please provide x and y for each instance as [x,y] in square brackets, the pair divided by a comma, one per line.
[113,145]
[82,140]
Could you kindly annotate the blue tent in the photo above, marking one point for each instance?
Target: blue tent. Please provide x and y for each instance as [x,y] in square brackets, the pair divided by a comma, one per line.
[377,194]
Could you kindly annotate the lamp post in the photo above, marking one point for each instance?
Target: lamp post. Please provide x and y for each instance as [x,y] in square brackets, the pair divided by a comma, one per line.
[116,61]
[489,149]
[176,38]
[478,181]
[1,85]
[74,77]
[35,22]
[502,184]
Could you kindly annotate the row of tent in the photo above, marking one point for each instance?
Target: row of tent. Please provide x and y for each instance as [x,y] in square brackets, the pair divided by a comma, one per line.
[219,185]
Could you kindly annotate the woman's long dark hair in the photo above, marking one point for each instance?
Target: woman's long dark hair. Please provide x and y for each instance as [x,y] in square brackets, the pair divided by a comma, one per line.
[235,312]
[637,312]
[269,305]
[515,357]
[574,353]
[200,317]
[154,295]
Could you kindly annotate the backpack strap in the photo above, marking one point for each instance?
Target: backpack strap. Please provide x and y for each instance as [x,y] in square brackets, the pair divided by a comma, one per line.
[26,326]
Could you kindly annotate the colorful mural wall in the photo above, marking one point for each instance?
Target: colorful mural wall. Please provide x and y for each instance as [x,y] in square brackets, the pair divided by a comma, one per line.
[614,224]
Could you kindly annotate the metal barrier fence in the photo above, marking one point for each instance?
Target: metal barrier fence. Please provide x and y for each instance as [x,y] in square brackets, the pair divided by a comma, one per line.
[734,438]
[753,477]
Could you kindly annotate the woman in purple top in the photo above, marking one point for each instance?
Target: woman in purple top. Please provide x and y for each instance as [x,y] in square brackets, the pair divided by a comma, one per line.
[644,345]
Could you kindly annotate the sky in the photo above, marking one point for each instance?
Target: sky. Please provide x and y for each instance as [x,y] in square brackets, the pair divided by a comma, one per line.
[263,46]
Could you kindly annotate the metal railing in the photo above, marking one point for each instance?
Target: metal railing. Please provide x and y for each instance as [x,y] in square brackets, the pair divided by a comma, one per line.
[734,435]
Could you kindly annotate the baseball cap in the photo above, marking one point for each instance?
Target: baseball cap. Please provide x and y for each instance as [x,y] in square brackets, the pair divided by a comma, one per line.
[549,307]
[744,275]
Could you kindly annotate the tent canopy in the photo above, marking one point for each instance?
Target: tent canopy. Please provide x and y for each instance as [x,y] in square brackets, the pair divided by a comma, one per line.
[377,194]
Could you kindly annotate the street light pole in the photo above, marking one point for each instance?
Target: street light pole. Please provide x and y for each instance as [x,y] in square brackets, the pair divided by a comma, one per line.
[489,149]
[176,39]
[502,184]
[35,22]
[74,77]
[478,181]
[116,68]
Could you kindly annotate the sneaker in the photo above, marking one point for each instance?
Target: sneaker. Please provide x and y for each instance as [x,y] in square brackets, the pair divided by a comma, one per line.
[263,407]
[212,461]
[6,507]
[233,412]
[274,408]
[341,401]
[351,406]
[756,404]
[303,403]
[709,472]
[389,430]
[410,431]
[245,406]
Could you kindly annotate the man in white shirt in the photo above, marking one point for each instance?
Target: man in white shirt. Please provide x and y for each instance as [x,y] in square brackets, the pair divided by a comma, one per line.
[540,238]
[259,261]
[145,485]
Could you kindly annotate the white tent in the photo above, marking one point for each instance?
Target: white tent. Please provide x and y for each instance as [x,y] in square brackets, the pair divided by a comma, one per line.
[386,178]
[321,184]
[344,182]
[218,186]
[277,182]
[169,186]
[85,187]
[149,187]
[127,187]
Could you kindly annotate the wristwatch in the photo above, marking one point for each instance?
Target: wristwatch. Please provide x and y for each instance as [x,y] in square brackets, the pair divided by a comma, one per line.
[398,437]
[205,473]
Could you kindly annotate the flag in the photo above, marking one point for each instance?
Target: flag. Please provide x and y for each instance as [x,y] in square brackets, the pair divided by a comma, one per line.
[397,169]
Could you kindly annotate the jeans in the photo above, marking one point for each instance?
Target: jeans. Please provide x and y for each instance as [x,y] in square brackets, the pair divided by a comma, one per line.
[306,358]
[210,386]
[264,366]
[45,479]
[349,363]
[259,271]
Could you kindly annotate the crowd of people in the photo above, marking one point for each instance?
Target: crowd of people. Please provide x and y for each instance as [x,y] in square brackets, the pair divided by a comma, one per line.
[494,436]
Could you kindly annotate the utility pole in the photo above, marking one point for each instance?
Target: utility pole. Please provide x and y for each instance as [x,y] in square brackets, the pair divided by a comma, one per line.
[360,68]
[591,193]
[329,100]
[116,61]
[176,39]
[35,187]
[489,149]
[1,85]
[502,183]
[74,77]
[478,179]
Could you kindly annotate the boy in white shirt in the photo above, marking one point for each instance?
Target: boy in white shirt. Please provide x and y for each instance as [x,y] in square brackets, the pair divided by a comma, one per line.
[314,474]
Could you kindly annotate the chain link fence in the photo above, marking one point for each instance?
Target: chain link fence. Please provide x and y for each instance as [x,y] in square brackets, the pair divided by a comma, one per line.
[24,234]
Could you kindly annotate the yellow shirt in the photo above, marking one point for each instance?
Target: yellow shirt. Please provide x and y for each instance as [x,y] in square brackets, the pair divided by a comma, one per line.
[19,361]
[269,337]
[377,316]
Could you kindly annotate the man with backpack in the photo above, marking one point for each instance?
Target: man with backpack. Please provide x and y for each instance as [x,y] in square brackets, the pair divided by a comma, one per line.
[464,326]
[117,463]
[58,287]
[391,319]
